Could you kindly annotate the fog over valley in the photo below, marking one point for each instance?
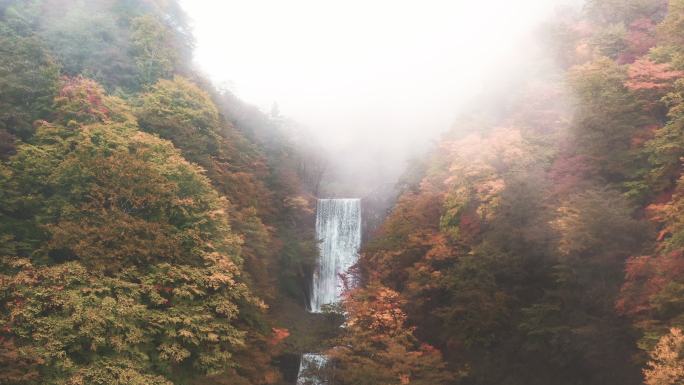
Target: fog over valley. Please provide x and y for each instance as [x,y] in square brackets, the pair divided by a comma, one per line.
[319,192]
[374,83]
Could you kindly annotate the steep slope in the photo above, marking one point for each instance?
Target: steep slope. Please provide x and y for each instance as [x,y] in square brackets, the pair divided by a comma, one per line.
[541,244]
[142,234]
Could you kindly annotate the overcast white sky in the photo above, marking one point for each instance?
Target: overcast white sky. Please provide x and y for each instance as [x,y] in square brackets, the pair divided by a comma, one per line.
[370,78]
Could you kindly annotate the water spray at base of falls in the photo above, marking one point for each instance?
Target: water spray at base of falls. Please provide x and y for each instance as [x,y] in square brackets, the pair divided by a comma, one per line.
[311,369]
[338,229]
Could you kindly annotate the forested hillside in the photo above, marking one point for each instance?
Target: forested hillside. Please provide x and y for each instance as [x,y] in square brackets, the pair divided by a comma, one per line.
[147,220]
[542,243]
[155,229]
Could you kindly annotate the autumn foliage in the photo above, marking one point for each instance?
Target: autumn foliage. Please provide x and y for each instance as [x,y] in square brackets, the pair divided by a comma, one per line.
[377,347]
[544,245]
[139,233]
[155,230]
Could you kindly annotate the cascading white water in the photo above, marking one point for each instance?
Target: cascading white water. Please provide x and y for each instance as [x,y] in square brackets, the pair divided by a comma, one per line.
[338,228]
[310,369]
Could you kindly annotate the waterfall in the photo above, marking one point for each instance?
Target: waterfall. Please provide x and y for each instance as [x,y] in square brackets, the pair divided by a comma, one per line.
[310,369]
[338,228]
